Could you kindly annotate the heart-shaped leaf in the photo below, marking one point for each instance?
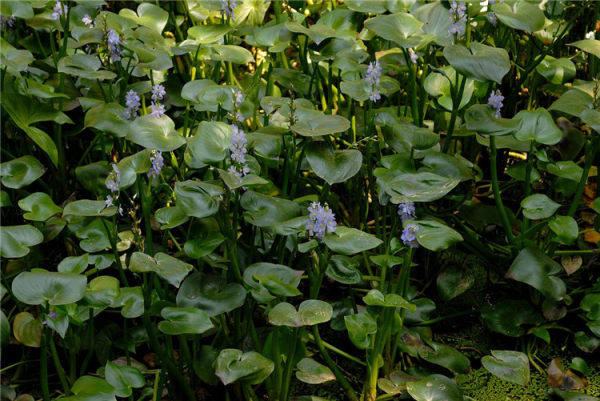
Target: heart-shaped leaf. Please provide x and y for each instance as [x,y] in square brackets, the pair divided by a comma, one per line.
[361,329]
[197,198]
[21,172]
[520,15]
[209,144]
[333,166]
[348,241]
[212,294]
[102,291]
[184,321]
[88,208]
[479,62]
[509,316]
[376,298]
[16,240]
[343,269]
[312,372]
[538,126]
[123,378]
[39,207]
[169,268]
[436,236]
[533,267]
[512,366]
[395,27]
[314,123]
[85,66]
[156,133]
[434,388]
[565,228]
[38,286]
[538,206]
[310,312]
[268,281]
[27,329]
[267,211]
[248,367]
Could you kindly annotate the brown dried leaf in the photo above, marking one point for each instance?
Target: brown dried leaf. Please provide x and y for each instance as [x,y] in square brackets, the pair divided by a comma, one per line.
[571,263]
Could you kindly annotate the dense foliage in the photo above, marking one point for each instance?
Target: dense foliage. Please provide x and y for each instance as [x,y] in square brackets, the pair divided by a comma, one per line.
[255,200]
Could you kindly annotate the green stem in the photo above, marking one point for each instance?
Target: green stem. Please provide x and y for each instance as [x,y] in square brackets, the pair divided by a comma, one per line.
[59,368]
[287,374]
[496,189]
[44,365]
[455,106]
[336,371]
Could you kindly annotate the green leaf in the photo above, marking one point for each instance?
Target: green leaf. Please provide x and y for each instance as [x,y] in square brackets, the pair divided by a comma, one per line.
[310,312]
[39,207]
[149,15]
[538,126]
[312,372]
[343,269]
[200,247]
[509,316]
[566,169]
[533,267]
[591,46]
[38,286]
[438,86]
[21,172]
[198,199]
[361,329]
[268,281]
[27,329]
[434,388]
[312,123]
[167,267]
[102,291]
[538,206]
[16,240]
[156,133]
[84,66]
[521,15]
[481,118]
[446,356]
[416,187]
[4,329]
[107,117]
[565,228]
[436,236]
[360,90]
[171,217]
[184,321]
[376,298]
[123,378]
[453,281]
[334,166]
[573,395]
[131,301]
[204,34]
[573,102]
[91,388]
[556,71]
[348,241]
[395,27]
[209,144]
[212,294]
[248,367]
[479,62]
[267,211]
[512,366]
[88,208]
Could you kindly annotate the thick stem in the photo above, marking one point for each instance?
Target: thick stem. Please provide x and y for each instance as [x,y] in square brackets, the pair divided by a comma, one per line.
[496,189]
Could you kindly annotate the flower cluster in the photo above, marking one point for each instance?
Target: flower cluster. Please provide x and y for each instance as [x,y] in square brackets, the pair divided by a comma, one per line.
[372,76]
[157,162]
[7,21]
[321,220]
[458,18]
[88,21]
[238,100]
[158,93]
[113,43]
[407,211]
[112,183]
[132,101]
[491,16]
[414,57]
[228,7]
[238,152]
[409,235]
[60,10]
[495,100]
